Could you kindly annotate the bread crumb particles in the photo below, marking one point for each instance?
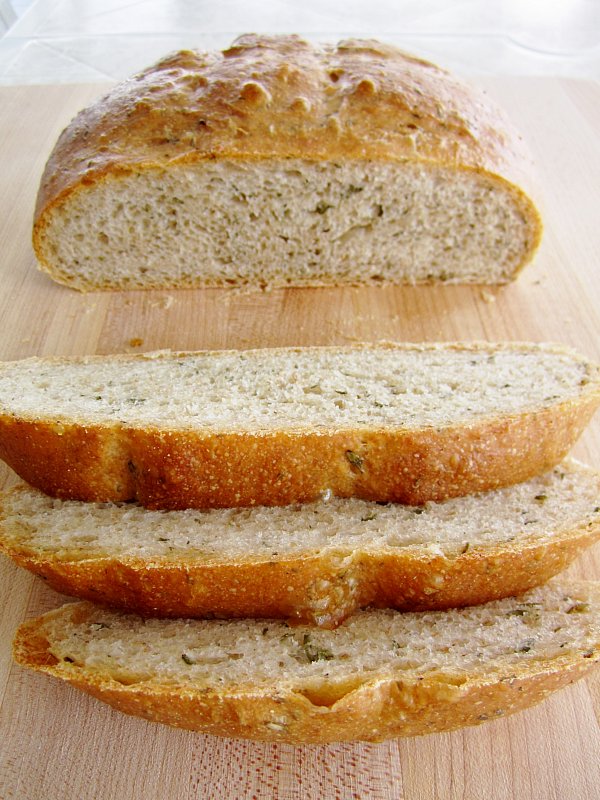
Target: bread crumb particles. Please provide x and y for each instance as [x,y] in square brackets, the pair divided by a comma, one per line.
[164,302]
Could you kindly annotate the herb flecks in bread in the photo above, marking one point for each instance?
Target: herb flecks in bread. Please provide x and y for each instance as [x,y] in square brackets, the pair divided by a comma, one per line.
[379,675]
[318,562]
[400,423]
[281,163]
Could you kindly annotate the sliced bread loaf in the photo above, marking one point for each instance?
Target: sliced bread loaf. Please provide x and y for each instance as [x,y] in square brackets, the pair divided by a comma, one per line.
[281,163]
[381,674]
[401,423]
[317,562]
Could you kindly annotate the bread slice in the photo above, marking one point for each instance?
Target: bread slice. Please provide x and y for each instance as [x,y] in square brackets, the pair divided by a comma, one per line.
[317,562]
[400,423]
[278,162]
[381,674]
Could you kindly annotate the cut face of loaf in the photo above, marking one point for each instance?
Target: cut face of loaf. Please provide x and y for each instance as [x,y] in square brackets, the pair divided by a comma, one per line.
[281,163]
[318,562]
[310,224]
[394,423]
[381,674]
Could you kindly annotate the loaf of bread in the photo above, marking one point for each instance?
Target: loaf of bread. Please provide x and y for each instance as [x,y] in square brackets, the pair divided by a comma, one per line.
[379,675]
[390,422]
[278,163]
[318,562]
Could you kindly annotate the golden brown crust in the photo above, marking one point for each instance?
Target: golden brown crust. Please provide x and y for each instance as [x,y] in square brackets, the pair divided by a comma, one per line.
[67,459]
[194,469]
[175,469]
[321,588]
[278,97]
[367,709]
[373,712]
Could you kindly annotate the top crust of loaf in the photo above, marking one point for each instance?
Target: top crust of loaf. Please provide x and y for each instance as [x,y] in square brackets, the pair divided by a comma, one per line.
[280,97]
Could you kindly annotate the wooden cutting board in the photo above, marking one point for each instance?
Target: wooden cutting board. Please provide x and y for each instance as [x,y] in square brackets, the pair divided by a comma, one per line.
[56,743]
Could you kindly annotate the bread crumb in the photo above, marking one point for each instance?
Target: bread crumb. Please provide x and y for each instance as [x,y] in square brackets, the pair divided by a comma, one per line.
[164,302]
[487,297]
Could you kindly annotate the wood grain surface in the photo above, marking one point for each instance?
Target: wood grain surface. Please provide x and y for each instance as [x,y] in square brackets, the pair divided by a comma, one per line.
[56,743]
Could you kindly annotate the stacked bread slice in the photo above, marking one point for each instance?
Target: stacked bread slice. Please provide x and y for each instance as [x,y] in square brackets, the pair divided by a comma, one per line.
[306,544]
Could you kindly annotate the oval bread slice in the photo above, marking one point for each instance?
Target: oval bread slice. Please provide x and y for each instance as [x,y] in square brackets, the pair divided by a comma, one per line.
[317,562]
[381,674]
[389,422]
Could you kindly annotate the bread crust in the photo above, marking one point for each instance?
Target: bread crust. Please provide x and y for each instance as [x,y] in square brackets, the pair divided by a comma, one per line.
[371,708]
[279,97]
[170,468]
[321,588]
